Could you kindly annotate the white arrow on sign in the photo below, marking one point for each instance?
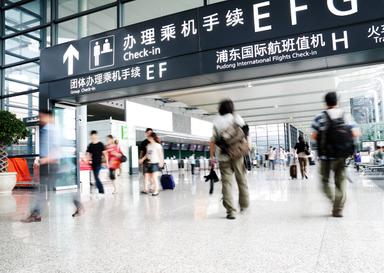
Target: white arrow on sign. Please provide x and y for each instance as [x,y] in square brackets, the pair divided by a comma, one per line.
[69,55]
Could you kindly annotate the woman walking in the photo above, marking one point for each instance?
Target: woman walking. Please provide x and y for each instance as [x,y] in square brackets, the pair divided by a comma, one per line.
[114,160]
[302,151]
[155,157]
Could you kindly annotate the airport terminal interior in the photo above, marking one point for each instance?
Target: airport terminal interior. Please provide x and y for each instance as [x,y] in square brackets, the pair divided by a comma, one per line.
[54,217]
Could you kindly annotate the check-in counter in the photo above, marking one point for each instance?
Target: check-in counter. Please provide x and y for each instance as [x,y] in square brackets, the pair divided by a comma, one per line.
[203,163]
[172,164]
[167,162]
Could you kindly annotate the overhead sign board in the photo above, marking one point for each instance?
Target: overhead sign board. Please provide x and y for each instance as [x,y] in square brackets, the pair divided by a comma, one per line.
[221,37]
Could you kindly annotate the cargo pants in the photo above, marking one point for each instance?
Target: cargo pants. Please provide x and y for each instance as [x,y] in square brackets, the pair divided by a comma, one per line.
[338,167]
[227,169]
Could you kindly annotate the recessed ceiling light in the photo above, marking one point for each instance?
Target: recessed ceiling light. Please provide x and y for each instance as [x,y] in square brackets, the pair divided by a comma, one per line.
[249,85]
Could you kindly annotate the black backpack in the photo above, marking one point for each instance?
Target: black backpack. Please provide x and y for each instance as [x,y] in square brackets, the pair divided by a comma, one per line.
[336,140]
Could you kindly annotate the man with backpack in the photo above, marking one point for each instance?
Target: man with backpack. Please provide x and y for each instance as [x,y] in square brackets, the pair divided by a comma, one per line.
[230,138]
[335,134]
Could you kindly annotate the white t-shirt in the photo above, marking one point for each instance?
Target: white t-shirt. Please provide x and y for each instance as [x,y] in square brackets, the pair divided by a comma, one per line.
[272,155]
[192,159]
[223,122]
[155,153]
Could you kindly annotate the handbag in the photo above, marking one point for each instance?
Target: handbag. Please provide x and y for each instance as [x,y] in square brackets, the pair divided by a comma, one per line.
[306,150]
[123,158]
[247,162]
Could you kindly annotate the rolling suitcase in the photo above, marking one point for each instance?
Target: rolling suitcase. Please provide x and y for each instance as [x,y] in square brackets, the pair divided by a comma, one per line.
[293,171]
[167,181]
[312,162]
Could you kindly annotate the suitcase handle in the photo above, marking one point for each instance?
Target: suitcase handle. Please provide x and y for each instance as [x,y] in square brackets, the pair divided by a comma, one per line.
[165,168]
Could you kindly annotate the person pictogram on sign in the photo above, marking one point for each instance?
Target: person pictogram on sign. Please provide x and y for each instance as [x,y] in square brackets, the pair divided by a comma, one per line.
[106,47]
[96,53]
[101,52]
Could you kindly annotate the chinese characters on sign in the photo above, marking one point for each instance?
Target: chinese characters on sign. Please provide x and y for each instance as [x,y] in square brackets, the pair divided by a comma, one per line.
[147,43]
[270,52]
[91,82]
[376,32]
[214,38]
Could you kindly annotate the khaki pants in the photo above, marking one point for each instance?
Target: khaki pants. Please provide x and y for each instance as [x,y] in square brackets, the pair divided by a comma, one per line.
[303,161]
[227,169]
[338,167]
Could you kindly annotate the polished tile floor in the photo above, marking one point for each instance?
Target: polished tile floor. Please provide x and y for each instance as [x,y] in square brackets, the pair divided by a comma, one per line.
[287,229]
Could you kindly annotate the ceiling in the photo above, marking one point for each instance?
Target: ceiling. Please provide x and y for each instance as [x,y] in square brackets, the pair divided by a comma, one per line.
[294,99]
[107,110]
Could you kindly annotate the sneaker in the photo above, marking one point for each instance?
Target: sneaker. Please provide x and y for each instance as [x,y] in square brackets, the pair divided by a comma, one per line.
[231,217]
[144,192]
[243,210]
[155,194]
[337,213]
[32,218]
[78,212]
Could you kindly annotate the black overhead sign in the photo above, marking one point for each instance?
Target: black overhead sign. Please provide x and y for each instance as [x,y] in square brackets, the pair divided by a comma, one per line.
[222,37]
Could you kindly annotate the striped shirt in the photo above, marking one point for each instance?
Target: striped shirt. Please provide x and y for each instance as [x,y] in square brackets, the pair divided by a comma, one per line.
[319,124]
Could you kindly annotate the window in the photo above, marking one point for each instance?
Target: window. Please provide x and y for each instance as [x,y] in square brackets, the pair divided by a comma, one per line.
[26,16]
[21,78]
[21,112]
[215,1]
[21,48]
[135,13]
[10,2]
[29,102]
[70,7]
[87,25]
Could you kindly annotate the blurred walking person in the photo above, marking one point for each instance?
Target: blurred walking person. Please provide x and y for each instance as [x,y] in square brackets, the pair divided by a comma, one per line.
[145,162]
[272,158]
[95,152]
[50,168]
[302,151]
[114,160]
[192,159]
[335,133]
[155,159]
[282,157]
[231,142]
[118,170]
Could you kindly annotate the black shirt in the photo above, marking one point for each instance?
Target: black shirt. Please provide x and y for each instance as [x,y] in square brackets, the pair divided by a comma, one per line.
[301,147]
[143,146]
[96,150]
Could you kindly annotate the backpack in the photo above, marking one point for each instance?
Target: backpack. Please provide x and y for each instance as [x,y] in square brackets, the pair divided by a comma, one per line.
[336,140]
[233,141]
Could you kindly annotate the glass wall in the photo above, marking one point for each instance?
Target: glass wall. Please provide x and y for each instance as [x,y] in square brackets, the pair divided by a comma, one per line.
[274,135]
[28,26]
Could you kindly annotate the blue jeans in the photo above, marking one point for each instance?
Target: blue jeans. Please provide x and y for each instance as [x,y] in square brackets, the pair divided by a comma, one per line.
[272,164]
[99,185]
